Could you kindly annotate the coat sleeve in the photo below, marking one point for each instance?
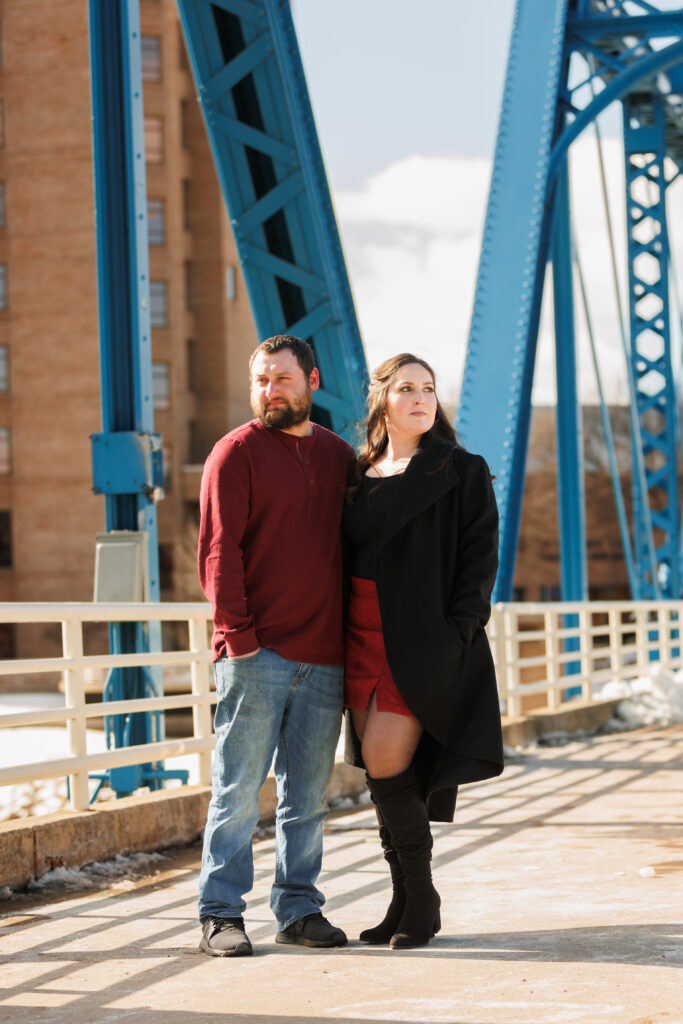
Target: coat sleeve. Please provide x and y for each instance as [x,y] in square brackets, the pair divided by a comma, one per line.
[224,511]
[476,561]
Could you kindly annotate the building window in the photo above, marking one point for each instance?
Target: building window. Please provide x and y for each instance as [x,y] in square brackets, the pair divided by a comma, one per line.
[192,366]
[3,286]
[5,540]
[156,221]
[3,215]
[186,203]
[184,62]
[157,304]
[188,285]
[154,140]
[8,647]
[5,452]
[161,385]
[230,283]
[151,58]
[184,123]
[166,566]
[4,368]
[167,456]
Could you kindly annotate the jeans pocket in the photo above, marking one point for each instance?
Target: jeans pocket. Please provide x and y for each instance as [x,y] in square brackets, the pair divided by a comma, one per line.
[227,669]
[219,676]
[238,676]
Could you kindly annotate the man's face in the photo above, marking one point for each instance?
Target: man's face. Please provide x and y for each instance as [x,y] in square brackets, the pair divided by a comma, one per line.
[281,397]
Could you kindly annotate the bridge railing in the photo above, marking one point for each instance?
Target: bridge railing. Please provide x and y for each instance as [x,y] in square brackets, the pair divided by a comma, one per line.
[543,649]
[76,666]
[540,650]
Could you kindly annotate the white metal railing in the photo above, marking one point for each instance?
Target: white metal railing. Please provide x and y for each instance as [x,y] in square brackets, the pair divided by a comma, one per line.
[544,648]
[579,645]
[74,665]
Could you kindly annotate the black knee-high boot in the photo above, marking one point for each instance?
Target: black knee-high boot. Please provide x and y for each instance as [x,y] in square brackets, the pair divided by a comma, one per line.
[404,813]
[386,928]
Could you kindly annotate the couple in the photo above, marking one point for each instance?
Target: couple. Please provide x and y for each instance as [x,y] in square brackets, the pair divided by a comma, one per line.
[419,521]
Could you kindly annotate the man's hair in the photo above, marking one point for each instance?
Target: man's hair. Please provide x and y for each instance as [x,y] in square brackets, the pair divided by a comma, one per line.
[303,353]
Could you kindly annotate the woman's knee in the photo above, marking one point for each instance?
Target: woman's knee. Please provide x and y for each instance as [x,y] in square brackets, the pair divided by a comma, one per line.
[383,764]
[389,743]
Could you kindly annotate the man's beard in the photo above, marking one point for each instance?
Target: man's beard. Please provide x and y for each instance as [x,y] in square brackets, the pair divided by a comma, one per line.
[290,414]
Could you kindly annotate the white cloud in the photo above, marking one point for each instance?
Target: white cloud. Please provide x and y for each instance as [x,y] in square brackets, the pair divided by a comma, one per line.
[412,235]
[428,194]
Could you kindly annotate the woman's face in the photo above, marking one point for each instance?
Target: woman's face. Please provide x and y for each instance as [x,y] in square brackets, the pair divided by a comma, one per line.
[411,401]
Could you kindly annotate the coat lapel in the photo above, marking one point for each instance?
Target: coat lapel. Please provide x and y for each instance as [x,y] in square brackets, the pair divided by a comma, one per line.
[425,480]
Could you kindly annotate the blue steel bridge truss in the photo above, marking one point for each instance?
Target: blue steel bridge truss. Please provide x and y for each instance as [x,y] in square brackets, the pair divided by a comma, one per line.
[568,61]
[253,94]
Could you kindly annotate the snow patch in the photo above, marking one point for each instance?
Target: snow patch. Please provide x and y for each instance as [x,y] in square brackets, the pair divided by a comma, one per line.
[119,873]
[98,873]
[14,703]
[25,745]
[652,699]
[348,803]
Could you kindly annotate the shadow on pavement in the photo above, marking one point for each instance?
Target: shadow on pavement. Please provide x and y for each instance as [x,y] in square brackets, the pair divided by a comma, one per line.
[140,943]
[148,1015]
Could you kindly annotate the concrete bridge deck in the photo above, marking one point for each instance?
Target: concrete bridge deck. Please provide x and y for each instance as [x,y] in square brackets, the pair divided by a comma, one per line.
[562,886]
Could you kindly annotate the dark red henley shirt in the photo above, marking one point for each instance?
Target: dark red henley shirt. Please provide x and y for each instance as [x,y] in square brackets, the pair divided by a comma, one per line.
[269,542]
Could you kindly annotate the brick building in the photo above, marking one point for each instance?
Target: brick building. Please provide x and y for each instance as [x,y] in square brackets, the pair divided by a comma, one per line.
[537,573]
[49,366]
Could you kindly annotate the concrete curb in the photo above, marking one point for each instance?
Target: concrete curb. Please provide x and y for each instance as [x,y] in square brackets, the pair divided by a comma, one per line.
[154,821]
[576,716]
[31,846]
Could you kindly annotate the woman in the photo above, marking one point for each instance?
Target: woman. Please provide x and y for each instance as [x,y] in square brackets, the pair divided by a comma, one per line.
[421,526]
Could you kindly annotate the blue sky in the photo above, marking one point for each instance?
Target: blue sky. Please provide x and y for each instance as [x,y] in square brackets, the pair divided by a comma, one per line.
[389,78]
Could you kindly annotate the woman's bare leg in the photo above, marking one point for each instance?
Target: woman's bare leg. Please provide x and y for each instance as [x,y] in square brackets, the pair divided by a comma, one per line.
[389,741]
[359,717]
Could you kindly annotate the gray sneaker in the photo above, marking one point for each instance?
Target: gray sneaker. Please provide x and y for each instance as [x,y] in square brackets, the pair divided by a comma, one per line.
[312,930]
[224,936]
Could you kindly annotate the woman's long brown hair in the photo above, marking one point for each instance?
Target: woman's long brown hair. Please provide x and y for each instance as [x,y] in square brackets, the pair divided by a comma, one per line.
[376,436]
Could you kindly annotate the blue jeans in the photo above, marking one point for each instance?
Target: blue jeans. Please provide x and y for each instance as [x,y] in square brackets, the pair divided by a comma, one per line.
[288,714]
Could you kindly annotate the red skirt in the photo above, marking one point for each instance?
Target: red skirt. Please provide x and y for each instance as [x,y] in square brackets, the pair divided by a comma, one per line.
[366,670]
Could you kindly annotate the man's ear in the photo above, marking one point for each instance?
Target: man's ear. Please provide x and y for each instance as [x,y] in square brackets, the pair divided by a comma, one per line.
[314,379]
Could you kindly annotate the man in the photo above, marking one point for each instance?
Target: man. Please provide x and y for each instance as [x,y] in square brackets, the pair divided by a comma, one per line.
[270,563]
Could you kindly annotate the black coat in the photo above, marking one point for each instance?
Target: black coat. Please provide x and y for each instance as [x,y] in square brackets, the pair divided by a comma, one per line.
[435,569]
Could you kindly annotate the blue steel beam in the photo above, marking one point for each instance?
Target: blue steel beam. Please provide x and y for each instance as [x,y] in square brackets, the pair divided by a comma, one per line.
[662,60]
[542,115]
[570,475]
[638,73]
[246,63]
[495,399]
[127,454]
[656,25]
[570,471]
[648,260]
